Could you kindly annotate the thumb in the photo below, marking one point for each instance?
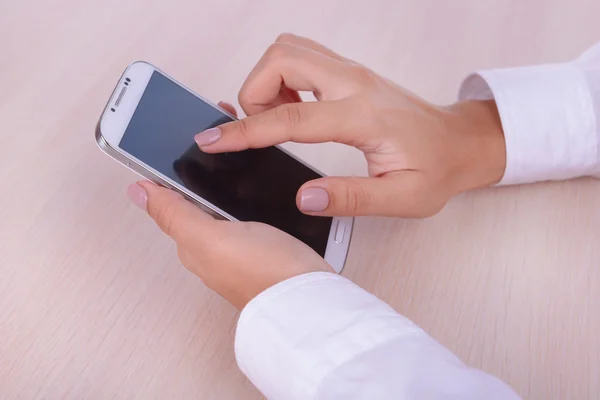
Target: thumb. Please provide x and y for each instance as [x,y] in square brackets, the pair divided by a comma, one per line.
[175,216]
[394,195]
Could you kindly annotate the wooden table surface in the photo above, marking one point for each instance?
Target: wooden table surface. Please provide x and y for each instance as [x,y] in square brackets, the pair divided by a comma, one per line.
[93,302]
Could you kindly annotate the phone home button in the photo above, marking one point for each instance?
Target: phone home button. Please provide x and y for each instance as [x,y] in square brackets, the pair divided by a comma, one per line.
[340,230]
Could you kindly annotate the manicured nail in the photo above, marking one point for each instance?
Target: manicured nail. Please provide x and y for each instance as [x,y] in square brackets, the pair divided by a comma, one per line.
[207,137]
[314,199]
[137,195]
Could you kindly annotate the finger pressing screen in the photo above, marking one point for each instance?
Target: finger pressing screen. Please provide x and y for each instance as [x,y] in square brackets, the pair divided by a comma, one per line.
[314,122]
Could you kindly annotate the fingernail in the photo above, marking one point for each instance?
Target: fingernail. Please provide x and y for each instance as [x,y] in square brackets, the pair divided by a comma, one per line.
[314,199]
[137,195]
[207,137]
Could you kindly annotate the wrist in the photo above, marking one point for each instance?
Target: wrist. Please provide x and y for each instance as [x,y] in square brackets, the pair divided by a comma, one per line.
[241,292]
[481,148]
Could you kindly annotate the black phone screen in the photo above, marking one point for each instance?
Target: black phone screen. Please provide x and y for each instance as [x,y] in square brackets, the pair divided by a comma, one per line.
[251,185]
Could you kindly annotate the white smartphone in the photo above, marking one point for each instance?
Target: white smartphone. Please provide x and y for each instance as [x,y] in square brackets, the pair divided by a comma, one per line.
[149,125]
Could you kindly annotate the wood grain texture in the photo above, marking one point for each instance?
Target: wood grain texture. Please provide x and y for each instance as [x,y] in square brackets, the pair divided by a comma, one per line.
[93,302]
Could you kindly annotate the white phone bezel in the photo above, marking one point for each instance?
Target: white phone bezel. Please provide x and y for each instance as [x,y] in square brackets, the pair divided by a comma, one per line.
[112,126]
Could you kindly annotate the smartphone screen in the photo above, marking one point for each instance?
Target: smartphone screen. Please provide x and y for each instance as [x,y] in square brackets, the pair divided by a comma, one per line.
[251,185]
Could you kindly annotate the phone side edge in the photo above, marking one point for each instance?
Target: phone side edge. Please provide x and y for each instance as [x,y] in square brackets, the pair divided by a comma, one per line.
[133,165]
[336,254]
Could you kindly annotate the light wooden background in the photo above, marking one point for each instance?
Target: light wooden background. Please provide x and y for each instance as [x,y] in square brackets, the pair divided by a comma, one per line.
[93,302]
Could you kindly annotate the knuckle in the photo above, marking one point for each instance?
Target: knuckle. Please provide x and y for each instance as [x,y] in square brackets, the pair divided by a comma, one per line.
[363,75]
[276,51]
[289,115]
[166,217]
[285,37]
[244,129]
[356,199]
[244,97]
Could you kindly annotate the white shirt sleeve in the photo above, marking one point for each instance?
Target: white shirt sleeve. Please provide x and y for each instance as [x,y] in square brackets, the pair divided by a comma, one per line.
[550,116]
[319,336]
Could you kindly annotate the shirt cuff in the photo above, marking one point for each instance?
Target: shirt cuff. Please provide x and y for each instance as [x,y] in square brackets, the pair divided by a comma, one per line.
[291,336]
[548,119]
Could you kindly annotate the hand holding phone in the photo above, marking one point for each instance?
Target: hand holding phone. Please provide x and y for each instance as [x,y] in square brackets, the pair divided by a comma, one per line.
[149,125]
[238,260]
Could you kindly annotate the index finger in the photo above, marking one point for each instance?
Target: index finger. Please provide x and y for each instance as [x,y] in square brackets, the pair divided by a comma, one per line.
[313,122]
